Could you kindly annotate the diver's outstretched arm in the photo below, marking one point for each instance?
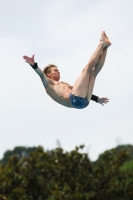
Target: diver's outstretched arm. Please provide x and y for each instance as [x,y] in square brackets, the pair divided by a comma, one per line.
[30,60]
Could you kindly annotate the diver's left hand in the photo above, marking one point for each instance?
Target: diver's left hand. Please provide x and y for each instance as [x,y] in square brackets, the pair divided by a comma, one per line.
[103,100]
[29,60]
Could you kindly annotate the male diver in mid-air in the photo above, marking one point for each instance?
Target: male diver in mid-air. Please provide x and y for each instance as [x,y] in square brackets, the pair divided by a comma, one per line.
[79,95]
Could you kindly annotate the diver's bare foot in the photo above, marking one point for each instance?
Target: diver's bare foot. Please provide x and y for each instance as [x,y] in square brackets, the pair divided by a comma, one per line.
[107,39]
[104,40]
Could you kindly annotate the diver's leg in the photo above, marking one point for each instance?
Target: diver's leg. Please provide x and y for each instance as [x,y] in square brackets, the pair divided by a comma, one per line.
[81,85]
[95,72]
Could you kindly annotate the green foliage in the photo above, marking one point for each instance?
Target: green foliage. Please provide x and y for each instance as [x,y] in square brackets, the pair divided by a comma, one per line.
[127,166]
[111,182]
[59,175]
[117,150]
[19,151]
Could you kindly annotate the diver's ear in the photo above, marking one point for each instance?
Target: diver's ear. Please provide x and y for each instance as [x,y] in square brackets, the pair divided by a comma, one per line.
[48,74]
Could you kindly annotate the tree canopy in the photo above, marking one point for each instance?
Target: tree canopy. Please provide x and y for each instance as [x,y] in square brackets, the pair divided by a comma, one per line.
[59,175]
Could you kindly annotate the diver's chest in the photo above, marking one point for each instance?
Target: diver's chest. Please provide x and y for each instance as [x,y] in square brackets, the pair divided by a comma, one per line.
[61,87]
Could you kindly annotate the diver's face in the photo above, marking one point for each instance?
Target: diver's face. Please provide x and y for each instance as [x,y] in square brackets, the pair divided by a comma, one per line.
[54,74]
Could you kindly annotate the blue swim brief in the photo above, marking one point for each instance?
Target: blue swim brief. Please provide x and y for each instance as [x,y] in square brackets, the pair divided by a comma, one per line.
[78,102]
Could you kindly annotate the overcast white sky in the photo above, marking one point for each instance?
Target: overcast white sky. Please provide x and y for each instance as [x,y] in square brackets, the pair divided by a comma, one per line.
[65,32]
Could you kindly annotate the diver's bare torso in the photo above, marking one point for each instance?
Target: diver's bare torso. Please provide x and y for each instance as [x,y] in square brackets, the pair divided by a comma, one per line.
[59,91]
